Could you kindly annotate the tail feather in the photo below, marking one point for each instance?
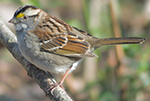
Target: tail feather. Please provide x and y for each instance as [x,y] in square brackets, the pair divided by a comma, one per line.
[117,41]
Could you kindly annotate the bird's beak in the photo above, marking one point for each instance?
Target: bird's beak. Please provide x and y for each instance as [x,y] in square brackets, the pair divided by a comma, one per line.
[13,20]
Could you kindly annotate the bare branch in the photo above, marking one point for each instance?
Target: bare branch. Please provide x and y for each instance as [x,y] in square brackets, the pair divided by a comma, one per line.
[43,79]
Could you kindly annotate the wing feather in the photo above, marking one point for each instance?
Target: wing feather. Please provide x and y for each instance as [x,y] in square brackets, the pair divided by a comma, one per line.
[59,38]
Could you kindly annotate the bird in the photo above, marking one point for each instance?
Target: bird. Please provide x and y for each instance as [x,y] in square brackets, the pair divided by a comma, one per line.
[53,45]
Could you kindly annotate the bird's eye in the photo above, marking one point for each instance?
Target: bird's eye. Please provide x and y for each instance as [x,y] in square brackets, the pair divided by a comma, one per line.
[25,17]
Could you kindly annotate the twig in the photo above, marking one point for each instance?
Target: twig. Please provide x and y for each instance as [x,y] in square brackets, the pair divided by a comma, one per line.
[43,79]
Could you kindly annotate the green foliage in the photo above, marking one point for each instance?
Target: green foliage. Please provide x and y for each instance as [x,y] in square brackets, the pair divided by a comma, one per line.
[31,2]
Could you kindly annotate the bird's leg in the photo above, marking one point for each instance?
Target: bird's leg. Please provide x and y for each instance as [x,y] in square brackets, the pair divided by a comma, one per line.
[64,76]
[53,86]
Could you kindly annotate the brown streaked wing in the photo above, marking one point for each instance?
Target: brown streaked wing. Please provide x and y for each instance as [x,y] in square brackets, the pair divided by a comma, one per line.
[57,37]
[50,39]
[76,46]
[55,43]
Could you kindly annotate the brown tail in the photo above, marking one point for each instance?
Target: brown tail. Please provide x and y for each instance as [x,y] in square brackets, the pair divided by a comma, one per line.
[116,41]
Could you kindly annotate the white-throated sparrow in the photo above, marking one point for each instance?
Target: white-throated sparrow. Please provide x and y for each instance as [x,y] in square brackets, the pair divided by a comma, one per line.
[54,46]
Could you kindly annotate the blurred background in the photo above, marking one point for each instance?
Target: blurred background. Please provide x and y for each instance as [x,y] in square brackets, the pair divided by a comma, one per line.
[121,73]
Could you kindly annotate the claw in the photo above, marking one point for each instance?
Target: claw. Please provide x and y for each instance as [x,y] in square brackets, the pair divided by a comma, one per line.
[53,87]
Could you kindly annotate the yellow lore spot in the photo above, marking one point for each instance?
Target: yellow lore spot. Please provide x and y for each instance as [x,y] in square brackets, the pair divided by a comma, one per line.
[20,15]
